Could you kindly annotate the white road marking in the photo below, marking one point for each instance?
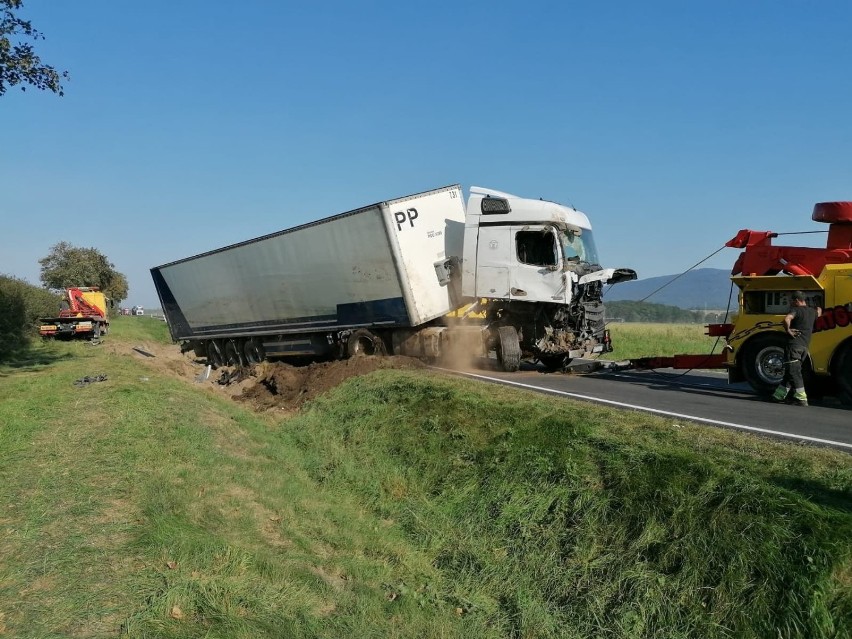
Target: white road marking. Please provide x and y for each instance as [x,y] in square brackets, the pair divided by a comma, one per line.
[656,411]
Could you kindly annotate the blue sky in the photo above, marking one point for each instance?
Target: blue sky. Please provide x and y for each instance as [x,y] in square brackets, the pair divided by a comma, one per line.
[190,125]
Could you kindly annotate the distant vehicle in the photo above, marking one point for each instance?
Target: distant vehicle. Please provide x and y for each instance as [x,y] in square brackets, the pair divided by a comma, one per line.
[137,310]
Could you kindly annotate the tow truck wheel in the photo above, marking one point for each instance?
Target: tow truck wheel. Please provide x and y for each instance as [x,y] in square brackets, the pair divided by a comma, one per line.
[843,375]
[253,351]
[508,349]
[363,342]
[763,363]
[233,354]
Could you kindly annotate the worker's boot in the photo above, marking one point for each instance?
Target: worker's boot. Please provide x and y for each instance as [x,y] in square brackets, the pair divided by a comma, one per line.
[780,394]
[800,398]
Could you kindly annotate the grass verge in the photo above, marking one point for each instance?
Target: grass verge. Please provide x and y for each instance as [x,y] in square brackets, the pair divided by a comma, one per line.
[402,504]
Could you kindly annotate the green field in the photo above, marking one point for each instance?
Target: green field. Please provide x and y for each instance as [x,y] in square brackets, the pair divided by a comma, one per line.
[632,340]
[401,504]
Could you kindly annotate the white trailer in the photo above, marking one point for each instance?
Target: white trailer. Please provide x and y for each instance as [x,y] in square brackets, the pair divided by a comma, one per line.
[382,278]
[383,265]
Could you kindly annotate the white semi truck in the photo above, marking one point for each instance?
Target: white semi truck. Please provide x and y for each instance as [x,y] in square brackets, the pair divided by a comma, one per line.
[384,278]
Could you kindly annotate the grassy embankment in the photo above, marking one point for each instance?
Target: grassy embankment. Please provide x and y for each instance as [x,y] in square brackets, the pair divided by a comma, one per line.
[402,504]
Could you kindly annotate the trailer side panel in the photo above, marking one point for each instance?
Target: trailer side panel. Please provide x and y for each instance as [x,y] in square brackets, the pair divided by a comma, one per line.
[321,275]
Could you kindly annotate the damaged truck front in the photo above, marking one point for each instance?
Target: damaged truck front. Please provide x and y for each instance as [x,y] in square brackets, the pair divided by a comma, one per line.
[384,279]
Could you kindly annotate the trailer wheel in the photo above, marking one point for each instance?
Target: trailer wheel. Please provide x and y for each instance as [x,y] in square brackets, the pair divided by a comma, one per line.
[253,351]
[214,355]
[763,363]
[843,375]
[233,354]
[508,349]
[363,342]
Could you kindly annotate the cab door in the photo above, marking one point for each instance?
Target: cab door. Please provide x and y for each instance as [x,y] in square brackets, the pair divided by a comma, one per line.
[536,274]
[493,259]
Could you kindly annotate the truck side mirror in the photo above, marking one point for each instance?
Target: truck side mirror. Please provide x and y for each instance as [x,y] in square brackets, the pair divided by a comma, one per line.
[445,268]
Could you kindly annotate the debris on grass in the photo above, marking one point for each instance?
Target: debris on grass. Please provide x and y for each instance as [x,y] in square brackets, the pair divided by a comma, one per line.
[85,381]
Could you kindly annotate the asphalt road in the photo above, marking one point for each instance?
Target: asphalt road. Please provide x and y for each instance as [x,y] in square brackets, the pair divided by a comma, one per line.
[703,397]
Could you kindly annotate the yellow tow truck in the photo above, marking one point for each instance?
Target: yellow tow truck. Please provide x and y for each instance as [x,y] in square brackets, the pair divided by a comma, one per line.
[766,276]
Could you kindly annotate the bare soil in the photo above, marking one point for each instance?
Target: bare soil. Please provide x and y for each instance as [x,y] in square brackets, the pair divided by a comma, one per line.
[268,386]
[276,384]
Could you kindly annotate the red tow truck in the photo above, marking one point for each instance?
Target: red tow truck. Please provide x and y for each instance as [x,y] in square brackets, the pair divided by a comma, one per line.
[83,314]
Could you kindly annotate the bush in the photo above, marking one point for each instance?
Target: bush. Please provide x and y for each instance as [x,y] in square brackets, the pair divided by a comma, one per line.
[21,306]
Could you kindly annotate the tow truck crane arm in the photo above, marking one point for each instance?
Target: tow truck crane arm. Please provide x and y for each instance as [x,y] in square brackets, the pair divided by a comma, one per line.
[78,305]
[760,257]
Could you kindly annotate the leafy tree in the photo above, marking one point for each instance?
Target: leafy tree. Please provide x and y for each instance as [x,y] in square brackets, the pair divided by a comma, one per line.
[67,265]
[117,288]
[18,61]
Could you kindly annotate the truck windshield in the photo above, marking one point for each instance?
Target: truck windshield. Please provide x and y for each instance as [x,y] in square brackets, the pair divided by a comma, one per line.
[579,248]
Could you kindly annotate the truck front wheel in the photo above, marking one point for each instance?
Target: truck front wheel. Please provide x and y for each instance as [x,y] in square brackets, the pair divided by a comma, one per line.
[508,348]
[763,363]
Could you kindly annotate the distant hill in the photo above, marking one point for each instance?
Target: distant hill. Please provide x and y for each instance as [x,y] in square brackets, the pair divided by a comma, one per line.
[702,288]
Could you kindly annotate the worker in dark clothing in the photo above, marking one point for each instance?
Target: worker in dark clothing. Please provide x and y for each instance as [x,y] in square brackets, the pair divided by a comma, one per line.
[799,324]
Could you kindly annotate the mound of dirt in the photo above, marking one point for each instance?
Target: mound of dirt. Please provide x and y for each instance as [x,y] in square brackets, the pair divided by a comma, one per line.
[266,386]
[279,385]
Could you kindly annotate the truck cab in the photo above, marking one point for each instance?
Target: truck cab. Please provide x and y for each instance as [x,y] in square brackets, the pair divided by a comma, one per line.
[536,265]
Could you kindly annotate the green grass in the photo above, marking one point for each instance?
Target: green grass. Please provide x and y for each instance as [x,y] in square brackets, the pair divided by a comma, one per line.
[632,340]
[551,519]
[403,504]
[129,328]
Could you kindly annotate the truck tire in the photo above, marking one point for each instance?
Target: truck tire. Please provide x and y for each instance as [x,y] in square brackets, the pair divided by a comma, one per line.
[763,367]
[508,348]
[233,354]
[363,342]
[253,351]
[763,363]
[214,355]
[843,374]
